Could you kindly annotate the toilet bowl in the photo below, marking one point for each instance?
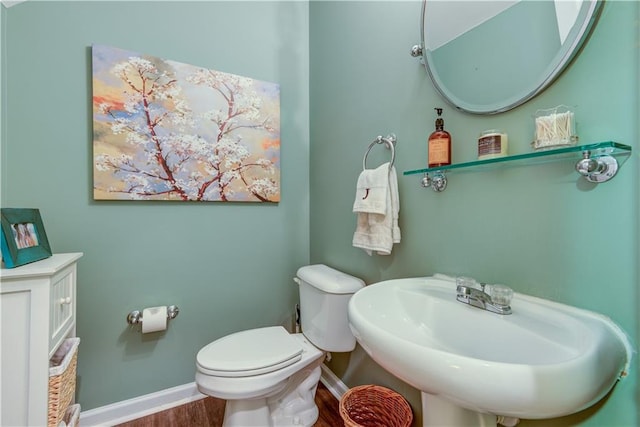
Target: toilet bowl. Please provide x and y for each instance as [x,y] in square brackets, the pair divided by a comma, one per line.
[252,393]
[269,376]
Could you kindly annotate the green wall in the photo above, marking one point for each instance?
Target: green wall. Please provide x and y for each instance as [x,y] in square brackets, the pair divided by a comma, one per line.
[228,267]
[539,229]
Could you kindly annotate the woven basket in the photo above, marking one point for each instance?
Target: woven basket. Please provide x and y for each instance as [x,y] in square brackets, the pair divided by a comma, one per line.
[72,416]
[374,406]
[62,380]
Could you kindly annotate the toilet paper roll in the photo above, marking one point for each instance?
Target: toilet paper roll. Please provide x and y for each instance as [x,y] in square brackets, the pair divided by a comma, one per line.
[154,319]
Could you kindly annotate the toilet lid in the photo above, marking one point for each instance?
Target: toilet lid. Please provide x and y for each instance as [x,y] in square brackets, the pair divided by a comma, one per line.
[248,353]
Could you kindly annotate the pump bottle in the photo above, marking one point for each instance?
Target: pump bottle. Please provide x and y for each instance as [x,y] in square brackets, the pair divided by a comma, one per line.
[439,144]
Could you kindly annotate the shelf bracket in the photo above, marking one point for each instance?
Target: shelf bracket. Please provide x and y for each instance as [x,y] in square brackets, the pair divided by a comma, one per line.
[597,169]
[437,182]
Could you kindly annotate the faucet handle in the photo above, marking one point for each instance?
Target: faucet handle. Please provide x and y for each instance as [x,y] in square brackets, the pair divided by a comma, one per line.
[501,294]
[467,282]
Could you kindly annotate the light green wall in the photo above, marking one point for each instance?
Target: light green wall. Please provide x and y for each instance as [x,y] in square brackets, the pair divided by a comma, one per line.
[227,266]
[539,229]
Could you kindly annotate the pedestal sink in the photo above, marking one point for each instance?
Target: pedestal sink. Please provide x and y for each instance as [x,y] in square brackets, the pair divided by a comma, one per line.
[474,367]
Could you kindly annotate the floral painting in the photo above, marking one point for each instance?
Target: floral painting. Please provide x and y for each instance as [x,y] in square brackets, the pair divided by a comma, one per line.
[165,130]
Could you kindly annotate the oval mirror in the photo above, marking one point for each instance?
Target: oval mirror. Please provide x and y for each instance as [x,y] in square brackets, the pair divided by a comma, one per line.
[487,57]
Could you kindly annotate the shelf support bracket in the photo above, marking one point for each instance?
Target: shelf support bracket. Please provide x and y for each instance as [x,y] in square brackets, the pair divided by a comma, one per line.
[437,182]
[597,169]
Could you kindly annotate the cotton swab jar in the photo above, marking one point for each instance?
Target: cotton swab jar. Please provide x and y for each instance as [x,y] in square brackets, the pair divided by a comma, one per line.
[554,127]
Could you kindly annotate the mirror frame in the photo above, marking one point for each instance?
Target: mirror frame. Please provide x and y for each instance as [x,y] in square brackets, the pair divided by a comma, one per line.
[560,62]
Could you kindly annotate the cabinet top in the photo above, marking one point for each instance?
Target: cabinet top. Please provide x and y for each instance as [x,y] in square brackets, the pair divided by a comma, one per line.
[44,267]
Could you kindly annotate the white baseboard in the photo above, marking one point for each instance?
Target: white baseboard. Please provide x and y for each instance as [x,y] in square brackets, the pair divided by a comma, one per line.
[333,383]
[141,406]
[131,409]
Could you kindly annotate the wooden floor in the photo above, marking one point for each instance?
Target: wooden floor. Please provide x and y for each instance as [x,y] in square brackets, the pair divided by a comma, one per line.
[209,412]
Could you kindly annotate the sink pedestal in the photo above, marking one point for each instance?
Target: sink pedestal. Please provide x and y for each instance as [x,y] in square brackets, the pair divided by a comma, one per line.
[439,412]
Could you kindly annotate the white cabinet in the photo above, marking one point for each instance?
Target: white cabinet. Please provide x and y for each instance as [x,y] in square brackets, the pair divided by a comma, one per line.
[37,312]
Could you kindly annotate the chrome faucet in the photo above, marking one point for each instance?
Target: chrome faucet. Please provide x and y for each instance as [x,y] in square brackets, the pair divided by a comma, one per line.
[498,302]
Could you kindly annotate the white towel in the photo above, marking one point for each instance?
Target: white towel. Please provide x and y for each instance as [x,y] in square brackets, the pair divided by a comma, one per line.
[377,224]
[372,190]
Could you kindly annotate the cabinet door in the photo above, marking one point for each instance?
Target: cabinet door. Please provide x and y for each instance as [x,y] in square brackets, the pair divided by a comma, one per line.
[25,370]
[15,314]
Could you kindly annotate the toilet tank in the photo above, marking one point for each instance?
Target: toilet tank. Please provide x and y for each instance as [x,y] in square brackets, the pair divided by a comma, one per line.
[324,297]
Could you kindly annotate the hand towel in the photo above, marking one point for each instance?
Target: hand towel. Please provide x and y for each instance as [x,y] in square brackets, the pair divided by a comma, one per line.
[372,190]
[377,231]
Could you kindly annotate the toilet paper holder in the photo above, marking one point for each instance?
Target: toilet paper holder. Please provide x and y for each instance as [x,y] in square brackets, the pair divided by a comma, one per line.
[135,316]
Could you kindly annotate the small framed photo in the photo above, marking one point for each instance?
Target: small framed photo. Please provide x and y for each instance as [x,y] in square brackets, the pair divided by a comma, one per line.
[23,237]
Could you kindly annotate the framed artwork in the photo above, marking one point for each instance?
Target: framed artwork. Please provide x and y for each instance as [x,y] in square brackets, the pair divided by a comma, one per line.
[23,238]
[166,130]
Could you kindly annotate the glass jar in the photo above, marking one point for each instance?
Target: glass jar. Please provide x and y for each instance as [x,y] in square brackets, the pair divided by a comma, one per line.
[492,143]
[554,128]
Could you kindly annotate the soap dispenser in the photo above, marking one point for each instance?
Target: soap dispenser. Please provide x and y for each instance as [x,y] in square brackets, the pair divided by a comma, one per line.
[439,144]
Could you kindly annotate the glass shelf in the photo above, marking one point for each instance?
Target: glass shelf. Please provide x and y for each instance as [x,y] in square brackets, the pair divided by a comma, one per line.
[607,148]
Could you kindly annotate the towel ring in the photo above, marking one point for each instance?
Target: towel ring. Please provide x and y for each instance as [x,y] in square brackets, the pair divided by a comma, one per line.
[390,143]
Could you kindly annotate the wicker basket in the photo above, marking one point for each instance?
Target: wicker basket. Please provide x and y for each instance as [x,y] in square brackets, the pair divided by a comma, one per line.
[374,406]
[72,416]
[62,380]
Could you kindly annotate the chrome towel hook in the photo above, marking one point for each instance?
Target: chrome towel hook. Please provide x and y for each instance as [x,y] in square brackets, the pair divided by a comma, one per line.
[389,141]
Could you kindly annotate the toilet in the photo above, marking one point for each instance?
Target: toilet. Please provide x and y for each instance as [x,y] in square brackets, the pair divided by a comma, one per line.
[269,376]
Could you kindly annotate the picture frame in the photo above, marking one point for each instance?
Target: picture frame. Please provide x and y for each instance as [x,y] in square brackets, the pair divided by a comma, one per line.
[23,238]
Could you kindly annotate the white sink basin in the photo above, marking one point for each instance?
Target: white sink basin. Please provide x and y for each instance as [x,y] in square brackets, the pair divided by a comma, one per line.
[544,360]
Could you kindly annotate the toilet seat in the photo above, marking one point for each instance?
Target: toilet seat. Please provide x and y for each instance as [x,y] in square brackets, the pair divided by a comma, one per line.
[249,353]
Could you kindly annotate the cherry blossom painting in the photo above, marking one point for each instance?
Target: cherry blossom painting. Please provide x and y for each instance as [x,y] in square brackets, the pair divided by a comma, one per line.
[165,130]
